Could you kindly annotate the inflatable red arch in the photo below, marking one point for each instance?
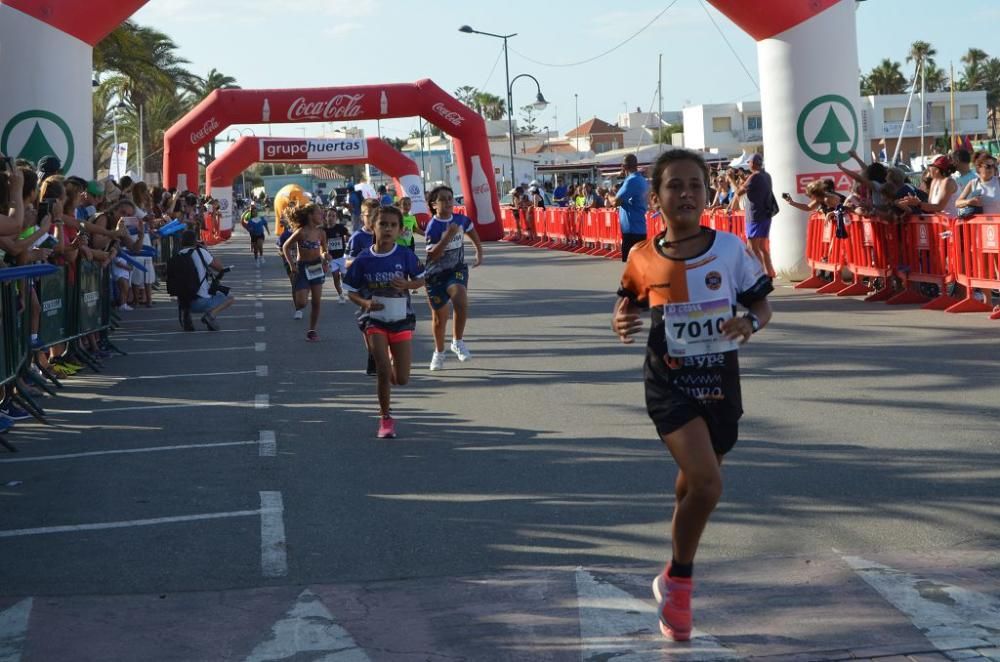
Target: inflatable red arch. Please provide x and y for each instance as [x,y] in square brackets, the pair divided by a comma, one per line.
[246,151]
[223,108]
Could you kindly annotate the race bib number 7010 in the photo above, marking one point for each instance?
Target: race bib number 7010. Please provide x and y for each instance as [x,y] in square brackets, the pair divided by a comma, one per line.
[694,329]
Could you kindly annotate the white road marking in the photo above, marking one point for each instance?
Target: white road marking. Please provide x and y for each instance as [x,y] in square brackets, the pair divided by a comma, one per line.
[122,451]
[191,374]
[72,528]
[262,371]
[179,405]
[260,347]
[273,558]
[261,401]
[188,350]
[261,329]
[268,443]
[14,630]
[139,336]
[143,320]
[308,627]
[949,616]
[616,626]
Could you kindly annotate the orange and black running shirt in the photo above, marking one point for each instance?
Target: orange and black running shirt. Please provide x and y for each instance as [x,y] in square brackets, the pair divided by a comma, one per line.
[690,299]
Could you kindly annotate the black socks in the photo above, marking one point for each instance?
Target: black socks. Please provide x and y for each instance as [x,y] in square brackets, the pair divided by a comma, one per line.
[680,569]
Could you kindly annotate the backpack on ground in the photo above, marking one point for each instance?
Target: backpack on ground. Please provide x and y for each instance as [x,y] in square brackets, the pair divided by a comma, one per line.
[182,278]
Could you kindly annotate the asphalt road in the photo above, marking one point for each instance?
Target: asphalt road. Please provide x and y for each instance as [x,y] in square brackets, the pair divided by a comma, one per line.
[525,504]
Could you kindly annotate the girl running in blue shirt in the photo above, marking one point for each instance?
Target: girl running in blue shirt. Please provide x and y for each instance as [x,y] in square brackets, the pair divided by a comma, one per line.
[379,280]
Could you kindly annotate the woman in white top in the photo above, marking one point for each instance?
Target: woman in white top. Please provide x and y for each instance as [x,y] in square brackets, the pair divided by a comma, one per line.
[984,191]
[943,190]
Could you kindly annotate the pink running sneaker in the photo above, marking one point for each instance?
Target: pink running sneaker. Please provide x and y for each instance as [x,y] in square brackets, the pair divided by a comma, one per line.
[312,336]
[673,595]
[386,428]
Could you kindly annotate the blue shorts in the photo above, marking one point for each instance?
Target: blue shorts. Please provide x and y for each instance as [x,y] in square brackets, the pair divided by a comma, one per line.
[203,305]
[758,229]
[303,283]
[437,285]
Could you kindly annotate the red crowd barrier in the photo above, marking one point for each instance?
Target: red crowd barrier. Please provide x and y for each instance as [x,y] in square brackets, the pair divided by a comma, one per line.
[919,250]
[926,258]
[977,262]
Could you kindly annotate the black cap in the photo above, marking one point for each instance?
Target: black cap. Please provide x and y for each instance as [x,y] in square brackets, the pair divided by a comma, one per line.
[48,165]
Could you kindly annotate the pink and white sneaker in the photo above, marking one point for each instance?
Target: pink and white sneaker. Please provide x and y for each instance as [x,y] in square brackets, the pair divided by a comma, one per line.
[673,596]
[386,428]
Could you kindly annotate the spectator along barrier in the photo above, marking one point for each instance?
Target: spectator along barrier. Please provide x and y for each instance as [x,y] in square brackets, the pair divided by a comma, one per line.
[595,231]
[71,306]
[920,260]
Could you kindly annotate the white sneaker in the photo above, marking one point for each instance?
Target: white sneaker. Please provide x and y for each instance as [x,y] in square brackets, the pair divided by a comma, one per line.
[125,307]
[297,315]
[437,360]
[341,298]
[461,351]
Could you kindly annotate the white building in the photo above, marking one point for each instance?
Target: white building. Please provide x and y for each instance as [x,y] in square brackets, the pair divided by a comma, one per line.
[732,128]
[723,128]
[882,119]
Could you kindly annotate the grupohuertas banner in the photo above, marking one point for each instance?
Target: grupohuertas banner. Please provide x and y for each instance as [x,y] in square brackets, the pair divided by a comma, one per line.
[320,150]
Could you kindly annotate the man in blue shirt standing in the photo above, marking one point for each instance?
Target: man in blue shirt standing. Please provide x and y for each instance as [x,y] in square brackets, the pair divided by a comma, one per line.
[631,201]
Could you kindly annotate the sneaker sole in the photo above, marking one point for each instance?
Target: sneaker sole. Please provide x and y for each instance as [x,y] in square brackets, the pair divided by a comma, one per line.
[665,629]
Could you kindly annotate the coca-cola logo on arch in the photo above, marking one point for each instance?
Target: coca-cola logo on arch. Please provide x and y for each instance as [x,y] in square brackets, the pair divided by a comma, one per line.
[205,131]
[452,116]
[339,107]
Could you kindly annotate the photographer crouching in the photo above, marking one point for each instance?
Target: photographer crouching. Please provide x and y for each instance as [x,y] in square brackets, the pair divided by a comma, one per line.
[209,297]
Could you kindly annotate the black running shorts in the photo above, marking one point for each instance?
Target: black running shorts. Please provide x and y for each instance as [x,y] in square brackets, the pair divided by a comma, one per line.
[670,407]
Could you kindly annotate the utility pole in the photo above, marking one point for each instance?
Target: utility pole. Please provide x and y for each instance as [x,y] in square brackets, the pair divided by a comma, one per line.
[659,114]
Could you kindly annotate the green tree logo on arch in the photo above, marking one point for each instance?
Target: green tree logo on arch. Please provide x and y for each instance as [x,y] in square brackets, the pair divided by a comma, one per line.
[36,133]
[821,129]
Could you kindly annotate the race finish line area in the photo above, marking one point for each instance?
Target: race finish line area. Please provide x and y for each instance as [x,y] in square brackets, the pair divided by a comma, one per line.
[626,353]
[545,516]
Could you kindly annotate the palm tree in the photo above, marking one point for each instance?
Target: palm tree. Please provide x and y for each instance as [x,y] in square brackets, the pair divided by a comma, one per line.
[466,94]
[490,106]
[921,51]
[935,78]
[104,103]
[147,62]
[201,88]
[886,78]
[991,80]
[972,76]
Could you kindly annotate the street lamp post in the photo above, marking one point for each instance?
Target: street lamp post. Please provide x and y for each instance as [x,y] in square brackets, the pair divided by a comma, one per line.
[230,139]
[540,100]
[114,148]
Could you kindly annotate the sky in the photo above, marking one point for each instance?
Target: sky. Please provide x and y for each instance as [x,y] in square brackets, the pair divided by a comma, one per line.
[319,43]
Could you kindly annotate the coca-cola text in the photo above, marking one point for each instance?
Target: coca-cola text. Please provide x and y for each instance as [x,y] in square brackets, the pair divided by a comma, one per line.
[342,106]
[205,131]
[449,115]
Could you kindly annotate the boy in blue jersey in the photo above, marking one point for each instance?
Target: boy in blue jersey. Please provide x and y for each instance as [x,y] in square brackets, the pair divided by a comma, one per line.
[357,244]
[447,273]
[363,239]
[379,280]
[256,227]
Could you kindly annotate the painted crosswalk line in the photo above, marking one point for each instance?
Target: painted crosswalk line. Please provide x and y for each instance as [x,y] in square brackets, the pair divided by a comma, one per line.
[308,627]
[951,617]
[616,626]
[14,629]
